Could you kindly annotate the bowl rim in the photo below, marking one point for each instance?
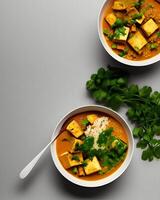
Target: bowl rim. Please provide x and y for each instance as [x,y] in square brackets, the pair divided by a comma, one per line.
[108,179]
[125,61]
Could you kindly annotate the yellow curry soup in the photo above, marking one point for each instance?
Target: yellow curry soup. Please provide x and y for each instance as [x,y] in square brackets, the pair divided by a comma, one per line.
[132,28]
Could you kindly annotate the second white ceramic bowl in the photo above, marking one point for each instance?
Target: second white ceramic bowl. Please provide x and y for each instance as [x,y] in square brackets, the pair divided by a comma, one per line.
[111,52]
[113,176]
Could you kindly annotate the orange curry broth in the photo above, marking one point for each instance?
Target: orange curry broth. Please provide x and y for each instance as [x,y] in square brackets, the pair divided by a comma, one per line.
[153,13]
[62,145]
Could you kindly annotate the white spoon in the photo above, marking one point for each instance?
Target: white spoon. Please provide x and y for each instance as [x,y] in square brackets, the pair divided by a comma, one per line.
[28,168]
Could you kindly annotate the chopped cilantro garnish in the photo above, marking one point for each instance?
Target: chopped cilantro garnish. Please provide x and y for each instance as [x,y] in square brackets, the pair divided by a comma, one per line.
[153,46]
[114,46]
[137,16]
[123,53]
[119,23]
[108,34]
[75,157]
[84,163]
[107,154]
[138,4]
[119,31]
[87,144]
[158,34]
[85,122]
[103,137]
[74,170]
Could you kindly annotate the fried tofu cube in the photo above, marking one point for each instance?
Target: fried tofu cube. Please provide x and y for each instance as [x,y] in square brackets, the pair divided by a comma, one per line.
[111,18]
[81,171]
[132,11]
[75,128]
[119,5]
[64,158]
[139,21]
[149,27]
[69,160]
[137,41]
[92,166]
[121,36]
[74,143]
[91,118]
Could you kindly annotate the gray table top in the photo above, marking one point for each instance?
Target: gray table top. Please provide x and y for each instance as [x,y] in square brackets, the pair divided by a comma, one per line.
[48,49]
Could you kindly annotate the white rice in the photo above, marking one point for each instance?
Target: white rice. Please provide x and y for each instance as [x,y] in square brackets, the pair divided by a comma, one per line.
[96,128]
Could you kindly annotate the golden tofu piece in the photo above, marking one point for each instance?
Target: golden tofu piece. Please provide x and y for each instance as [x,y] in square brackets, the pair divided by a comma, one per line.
[139,21]
[81,171]
[149,27]
[111,18]
[92,166]
[91,118]
[131,11]
[74,143]
[137,41]
[70,160]
[120,36]
[75,128]
[119,5]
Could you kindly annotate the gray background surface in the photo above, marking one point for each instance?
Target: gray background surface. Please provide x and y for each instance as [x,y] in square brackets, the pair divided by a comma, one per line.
[48,49]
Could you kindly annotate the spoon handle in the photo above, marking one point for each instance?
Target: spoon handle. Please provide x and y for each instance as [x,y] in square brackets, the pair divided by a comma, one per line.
[24,173]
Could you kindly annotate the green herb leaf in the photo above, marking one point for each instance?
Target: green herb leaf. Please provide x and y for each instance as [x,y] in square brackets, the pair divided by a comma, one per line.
[158,34]
[153,46]
[74,170]
[103,137]
[123,53]
[84,163]
[85,122]
[157,151]
[118,23]
[115,101]
[136,132]
[138,4]
[118,32]
[105,32]
[114,46]
[101,73]
[108,34]
[75,157]
[101,172]
[99,95]
[145,91]
[133,89]
[137,16]
[156,130]
[142,144]
[87,144]
[147,154]
[91,85]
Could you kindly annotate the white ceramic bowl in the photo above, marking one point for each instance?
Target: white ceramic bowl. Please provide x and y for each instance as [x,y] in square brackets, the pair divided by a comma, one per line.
[113,176]
[111,52]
